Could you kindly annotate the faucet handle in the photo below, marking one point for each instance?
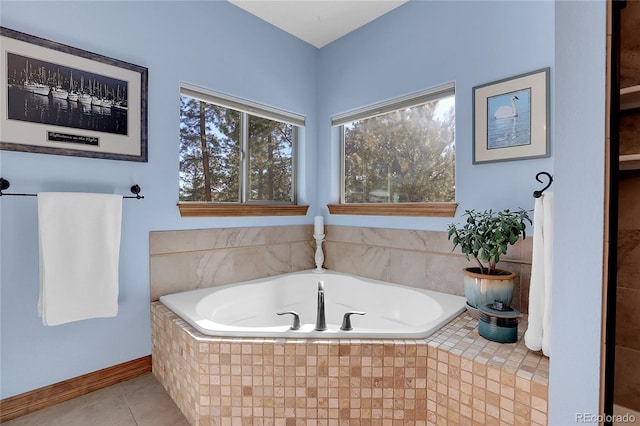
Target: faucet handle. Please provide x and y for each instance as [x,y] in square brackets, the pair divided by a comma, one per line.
[346,320]
[296,319]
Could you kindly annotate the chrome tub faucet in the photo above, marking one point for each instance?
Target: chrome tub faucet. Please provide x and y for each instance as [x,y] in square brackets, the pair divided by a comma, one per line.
[321,323]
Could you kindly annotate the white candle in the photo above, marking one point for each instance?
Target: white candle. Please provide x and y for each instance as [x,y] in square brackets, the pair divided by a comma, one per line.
[318,225]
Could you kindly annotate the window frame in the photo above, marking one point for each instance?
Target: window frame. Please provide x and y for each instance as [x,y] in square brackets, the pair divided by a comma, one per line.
[246,207]
[435,209]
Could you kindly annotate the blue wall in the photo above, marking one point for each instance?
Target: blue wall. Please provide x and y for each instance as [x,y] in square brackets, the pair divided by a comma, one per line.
[211,44]
[579,162]
[425,44]
[416,46]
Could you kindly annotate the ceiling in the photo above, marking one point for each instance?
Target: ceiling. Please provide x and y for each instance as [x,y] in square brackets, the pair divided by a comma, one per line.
[318,22]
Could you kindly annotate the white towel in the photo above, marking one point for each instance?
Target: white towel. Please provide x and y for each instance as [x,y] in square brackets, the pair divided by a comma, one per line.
[538,334]
[79,237]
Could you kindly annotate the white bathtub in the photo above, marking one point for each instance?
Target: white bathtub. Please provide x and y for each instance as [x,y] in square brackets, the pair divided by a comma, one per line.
[249,309]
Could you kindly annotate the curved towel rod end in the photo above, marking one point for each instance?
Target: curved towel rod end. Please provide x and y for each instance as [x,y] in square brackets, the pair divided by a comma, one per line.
[538,194]
[4,184]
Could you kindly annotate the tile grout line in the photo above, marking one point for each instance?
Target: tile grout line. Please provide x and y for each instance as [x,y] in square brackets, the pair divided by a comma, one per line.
[126,400]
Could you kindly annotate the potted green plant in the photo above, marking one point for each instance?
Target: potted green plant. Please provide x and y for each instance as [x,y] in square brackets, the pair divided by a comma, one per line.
[485,236]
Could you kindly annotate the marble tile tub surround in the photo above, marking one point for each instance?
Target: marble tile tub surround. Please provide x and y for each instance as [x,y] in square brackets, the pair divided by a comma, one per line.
[454,377]
[190,259]
[421,259]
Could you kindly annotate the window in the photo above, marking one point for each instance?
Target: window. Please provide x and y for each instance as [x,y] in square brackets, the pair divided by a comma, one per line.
[234,151]
[400,152]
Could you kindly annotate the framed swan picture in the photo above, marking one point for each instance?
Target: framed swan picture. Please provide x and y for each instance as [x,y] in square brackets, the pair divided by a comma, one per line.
[511,118]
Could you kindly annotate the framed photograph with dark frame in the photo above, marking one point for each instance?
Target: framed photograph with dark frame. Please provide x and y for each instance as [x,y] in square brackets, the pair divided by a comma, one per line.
[58,99]
[511,118]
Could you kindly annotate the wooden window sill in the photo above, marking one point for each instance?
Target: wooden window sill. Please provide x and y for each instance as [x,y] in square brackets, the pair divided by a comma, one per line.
[395,209]
[218,210]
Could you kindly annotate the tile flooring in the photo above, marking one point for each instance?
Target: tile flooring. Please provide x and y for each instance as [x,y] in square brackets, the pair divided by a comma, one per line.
[138,402]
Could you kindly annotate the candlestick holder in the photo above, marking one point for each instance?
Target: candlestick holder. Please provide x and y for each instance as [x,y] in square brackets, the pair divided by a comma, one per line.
[319,254]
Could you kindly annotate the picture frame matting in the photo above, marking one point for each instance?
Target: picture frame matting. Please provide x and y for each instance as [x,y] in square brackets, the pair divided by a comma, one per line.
[511,118]
[62,100]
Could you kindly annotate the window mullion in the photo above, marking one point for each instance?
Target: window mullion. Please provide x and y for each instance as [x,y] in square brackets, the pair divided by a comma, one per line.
[294,166]
[343,166]
[244,163]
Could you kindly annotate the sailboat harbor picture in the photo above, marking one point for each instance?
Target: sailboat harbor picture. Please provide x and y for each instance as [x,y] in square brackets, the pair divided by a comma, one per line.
[510,118]
[42,92]
[64,100]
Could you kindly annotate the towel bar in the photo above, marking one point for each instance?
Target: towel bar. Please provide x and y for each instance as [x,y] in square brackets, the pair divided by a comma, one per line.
[5,184]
